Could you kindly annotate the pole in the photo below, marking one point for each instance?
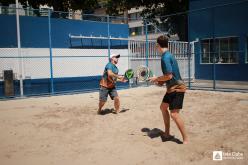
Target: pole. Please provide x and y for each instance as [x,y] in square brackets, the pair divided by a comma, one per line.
[146,44]
[189,67]
[21,74]
[214,52]
[51,53]
[108,38]
[189,55]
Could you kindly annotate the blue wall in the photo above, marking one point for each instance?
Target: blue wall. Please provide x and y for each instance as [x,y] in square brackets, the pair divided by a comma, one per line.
[34,32]
[224,21]
[34,87]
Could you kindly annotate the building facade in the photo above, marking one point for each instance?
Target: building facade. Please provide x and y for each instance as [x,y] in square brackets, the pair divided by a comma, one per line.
[220,29]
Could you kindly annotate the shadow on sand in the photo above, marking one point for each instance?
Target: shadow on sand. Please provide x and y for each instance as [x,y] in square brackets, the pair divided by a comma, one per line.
[155,132]
[108,111]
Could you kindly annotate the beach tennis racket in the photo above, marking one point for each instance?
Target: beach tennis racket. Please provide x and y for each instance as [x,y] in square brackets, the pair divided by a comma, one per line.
[129,74]
[144,73]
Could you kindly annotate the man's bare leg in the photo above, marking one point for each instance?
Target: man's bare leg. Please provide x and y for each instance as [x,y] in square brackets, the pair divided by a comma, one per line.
[117,104]
[166,117]
[179,122]
[101,104]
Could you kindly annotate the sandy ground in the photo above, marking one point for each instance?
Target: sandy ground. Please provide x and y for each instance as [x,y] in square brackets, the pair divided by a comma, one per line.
[63,130]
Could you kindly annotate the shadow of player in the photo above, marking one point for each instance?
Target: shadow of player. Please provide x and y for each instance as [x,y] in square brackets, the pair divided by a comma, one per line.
[108,111]
[155,132]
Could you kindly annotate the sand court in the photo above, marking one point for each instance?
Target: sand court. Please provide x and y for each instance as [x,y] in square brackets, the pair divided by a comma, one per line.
[66,129]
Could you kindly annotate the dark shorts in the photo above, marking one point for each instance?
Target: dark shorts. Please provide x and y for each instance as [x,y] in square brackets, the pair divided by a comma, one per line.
[104,92]
[174,99]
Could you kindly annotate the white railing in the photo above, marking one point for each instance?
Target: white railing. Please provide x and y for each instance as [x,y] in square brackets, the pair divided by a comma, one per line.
[181,51]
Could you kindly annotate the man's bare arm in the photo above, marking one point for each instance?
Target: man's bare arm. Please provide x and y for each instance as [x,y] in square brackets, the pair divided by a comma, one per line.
[118,77]
[165,77]
[110,73]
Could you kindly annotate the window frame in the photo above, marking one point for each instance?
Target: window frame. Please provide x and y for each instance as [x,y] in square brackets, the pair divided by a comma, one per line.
[218,51]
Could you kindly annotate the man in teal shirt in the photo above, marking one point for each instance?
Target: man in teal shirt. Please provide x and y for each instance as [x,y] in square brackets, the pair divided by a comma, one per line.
[173,99]
[107,84]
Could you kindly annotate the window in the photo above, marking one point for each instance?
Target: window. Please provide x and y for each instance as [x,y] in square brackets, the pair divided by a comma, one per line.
[134,16]
[135,31]
[207,51]
[150,29]
[225,50]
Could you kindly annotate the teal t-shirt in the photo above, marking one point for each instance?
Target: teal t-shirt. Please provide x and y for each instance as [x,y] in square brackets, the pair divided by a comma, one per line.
[169,65]
[111,67]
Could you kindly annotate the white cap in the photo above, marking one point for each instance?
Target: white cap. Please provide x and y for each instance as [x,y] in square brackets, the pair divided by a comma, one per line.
[115,55]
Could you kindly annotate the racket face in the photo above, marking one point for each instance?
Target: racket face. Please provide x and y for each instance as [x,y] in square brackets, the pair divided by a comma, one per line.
[129,74]
[143,73]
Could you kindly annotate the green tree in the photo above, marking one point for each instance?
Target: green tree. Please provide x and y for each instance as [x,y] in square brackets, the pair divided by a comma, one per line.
[175,24]
[58,5]
[156,10]
[6,2]
[120,7]
[117,7]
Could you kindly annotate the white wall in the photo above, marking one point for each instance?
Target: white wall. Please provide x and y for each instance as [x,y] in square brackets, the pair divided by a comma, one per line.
[66,62]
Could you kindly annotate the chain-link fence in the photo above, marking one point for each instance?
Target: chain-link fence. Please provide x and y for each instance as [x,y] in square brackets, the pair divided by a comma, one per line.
[43,58]
[59,52]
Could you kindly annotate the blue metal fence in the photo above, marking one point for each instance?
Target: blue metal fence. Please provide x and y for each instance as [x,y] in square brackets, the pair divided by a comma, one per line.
[66,52]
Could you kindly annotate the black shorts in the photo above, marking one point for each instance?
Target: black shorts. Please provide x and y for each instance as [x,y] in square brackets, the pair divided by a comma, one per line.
[174,99]
[104,92]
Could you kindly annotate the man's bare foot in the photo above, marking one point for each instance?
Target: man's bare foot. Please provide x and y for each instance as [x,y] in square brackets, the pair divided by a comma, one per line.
[115,111]
[99,112]
[185,141]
